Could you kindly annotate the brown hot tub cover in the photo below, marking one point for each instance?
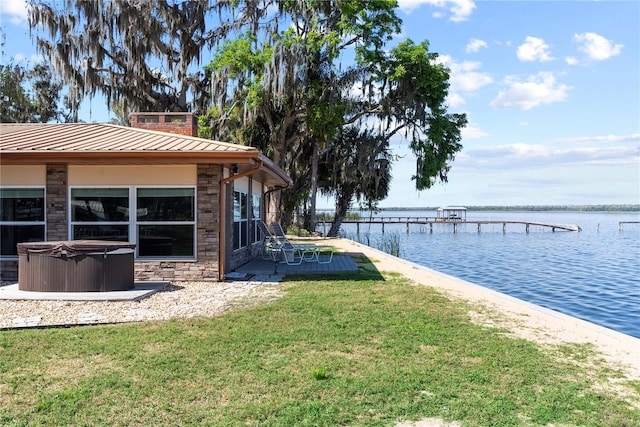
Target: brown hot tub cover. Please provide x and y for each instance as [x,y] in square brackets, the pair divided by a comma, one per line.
[71,248]
[76,266]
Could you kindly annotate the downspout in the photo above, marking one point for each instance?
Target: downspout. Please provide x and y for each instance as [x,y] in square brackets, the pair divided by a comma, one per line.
[223,214]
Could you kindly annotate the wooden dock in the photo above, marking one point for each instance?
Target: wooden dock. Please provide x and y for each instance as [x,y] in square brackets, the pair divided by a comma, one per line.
[622,223]
[455,223]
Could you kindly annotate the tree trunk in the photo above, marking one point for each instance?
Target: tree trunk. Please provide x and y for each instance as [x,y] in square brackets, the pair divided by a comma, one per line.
[313,190]
[343,202]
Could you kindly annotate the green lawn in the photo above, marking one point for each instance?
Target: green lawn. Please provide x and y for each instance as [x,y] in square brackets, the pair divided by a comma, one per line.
[356,350]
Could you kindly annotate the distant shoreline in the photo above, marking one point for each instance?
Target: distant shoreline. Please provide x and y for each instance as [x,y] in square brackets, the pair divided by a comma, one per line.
[520,208]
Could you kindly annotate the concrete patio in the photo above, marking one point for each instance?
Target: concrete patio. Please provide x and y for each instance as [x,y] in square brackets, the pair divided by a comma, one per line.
[139,291]
[259,267]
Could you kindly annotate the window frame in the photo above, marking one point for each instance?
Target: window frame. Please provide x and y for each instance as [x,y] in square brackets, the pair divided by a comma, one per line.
[243,223]
[254,219]
[133,225]
[193,223]
[73,223]
[42,223]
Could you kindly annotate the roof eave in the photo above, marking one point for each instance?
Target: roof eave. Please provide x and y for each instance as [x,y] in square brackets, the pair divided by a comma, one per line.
[273,174]
[142,158]
[275,171]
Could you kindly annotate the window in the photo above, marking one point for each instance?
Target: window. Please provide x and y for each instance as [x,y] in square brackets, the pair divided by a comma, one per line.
[100,214]
[163,225]
[148,119]
[180,118]
[256,207]
[166,222]
[21,218]
[240,220]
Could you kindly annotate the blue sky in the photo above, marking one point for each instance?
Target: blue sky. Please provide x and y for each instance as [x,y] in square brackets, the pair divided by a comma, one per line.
[551,90]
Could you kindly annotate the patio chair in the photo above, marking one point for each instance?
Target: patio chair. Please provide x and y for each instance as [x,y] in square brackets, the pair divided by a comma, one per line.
[275,248]
[270,244]
[314,250]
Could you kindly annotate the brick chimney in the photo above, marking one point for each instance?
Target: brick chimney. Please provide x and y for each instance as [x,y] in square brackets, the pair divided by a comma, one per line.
[180,123]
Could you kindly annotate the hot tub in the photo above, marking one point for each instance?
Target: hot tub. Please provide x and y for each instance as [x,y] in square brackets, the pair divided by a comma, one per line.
[75,266]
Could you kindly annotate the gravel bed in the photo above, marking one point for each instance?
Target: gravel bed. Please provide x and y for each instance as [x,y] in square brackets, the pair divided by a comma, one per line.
[177,300]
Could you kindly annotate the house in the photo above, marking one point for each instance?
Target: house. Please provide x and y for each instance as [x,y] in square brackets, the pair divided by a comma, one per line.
[189,204]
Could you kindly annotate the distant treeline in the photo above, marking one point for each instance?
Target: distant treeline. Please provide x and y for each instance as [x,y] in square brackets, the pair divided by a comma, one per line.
[537,208]
[522,208]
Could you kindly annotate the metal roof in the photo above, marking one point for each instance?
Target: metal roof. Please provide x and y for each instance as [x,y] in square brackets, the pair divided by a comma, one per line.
[452,208]
[100,143]
[100,137]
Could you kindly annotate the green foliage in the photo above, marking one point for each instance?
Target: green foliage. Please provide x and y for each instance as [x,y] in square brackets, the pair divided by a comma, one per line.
[418,89]
[293,81]
[238,55]
[121,114]
[15,100]
[118,48]
[357,164]
[373,21]
[353,216]
[289,90]
[28,95]
[319,373]
[390,243]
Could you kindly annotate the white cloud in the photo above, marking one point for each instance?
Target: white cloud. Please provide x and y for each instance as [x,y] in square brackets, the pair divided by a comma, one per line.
[464,78]
[473,132]
[409,6]
[475,45]
[571,60]
[519,155]
[460,9]
[534,49]
[537,90]
[596,47]
[455,100]
[36,58]
[599,139]
[15,9]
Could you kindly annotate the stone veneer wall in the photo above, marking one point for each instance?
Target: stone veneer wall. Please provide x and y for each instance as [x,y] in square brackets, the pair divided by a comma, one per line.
[245,255]
[206,267]
[57,203]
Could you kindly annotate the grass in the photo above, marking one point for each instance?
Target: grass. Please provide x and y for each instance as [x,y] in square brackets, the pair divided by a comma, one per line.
[366,350]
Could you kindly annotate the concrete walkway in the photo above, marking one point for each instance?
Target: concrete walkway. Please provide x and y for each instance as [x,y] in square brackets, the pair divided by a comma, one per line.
[266,267]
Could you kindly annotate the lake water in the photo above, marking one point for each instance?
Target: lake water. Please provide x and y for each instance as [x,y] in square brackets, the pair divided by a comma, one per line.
[593,274]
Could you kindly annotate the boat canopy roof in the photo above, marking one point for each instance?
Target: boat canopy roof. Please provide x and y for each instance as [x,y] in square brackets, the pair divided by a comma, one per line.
[452,208]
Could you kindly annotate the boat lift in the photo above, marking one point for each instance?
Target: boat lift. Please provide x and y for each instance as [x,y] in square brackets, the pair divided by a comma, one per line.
[451,214]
